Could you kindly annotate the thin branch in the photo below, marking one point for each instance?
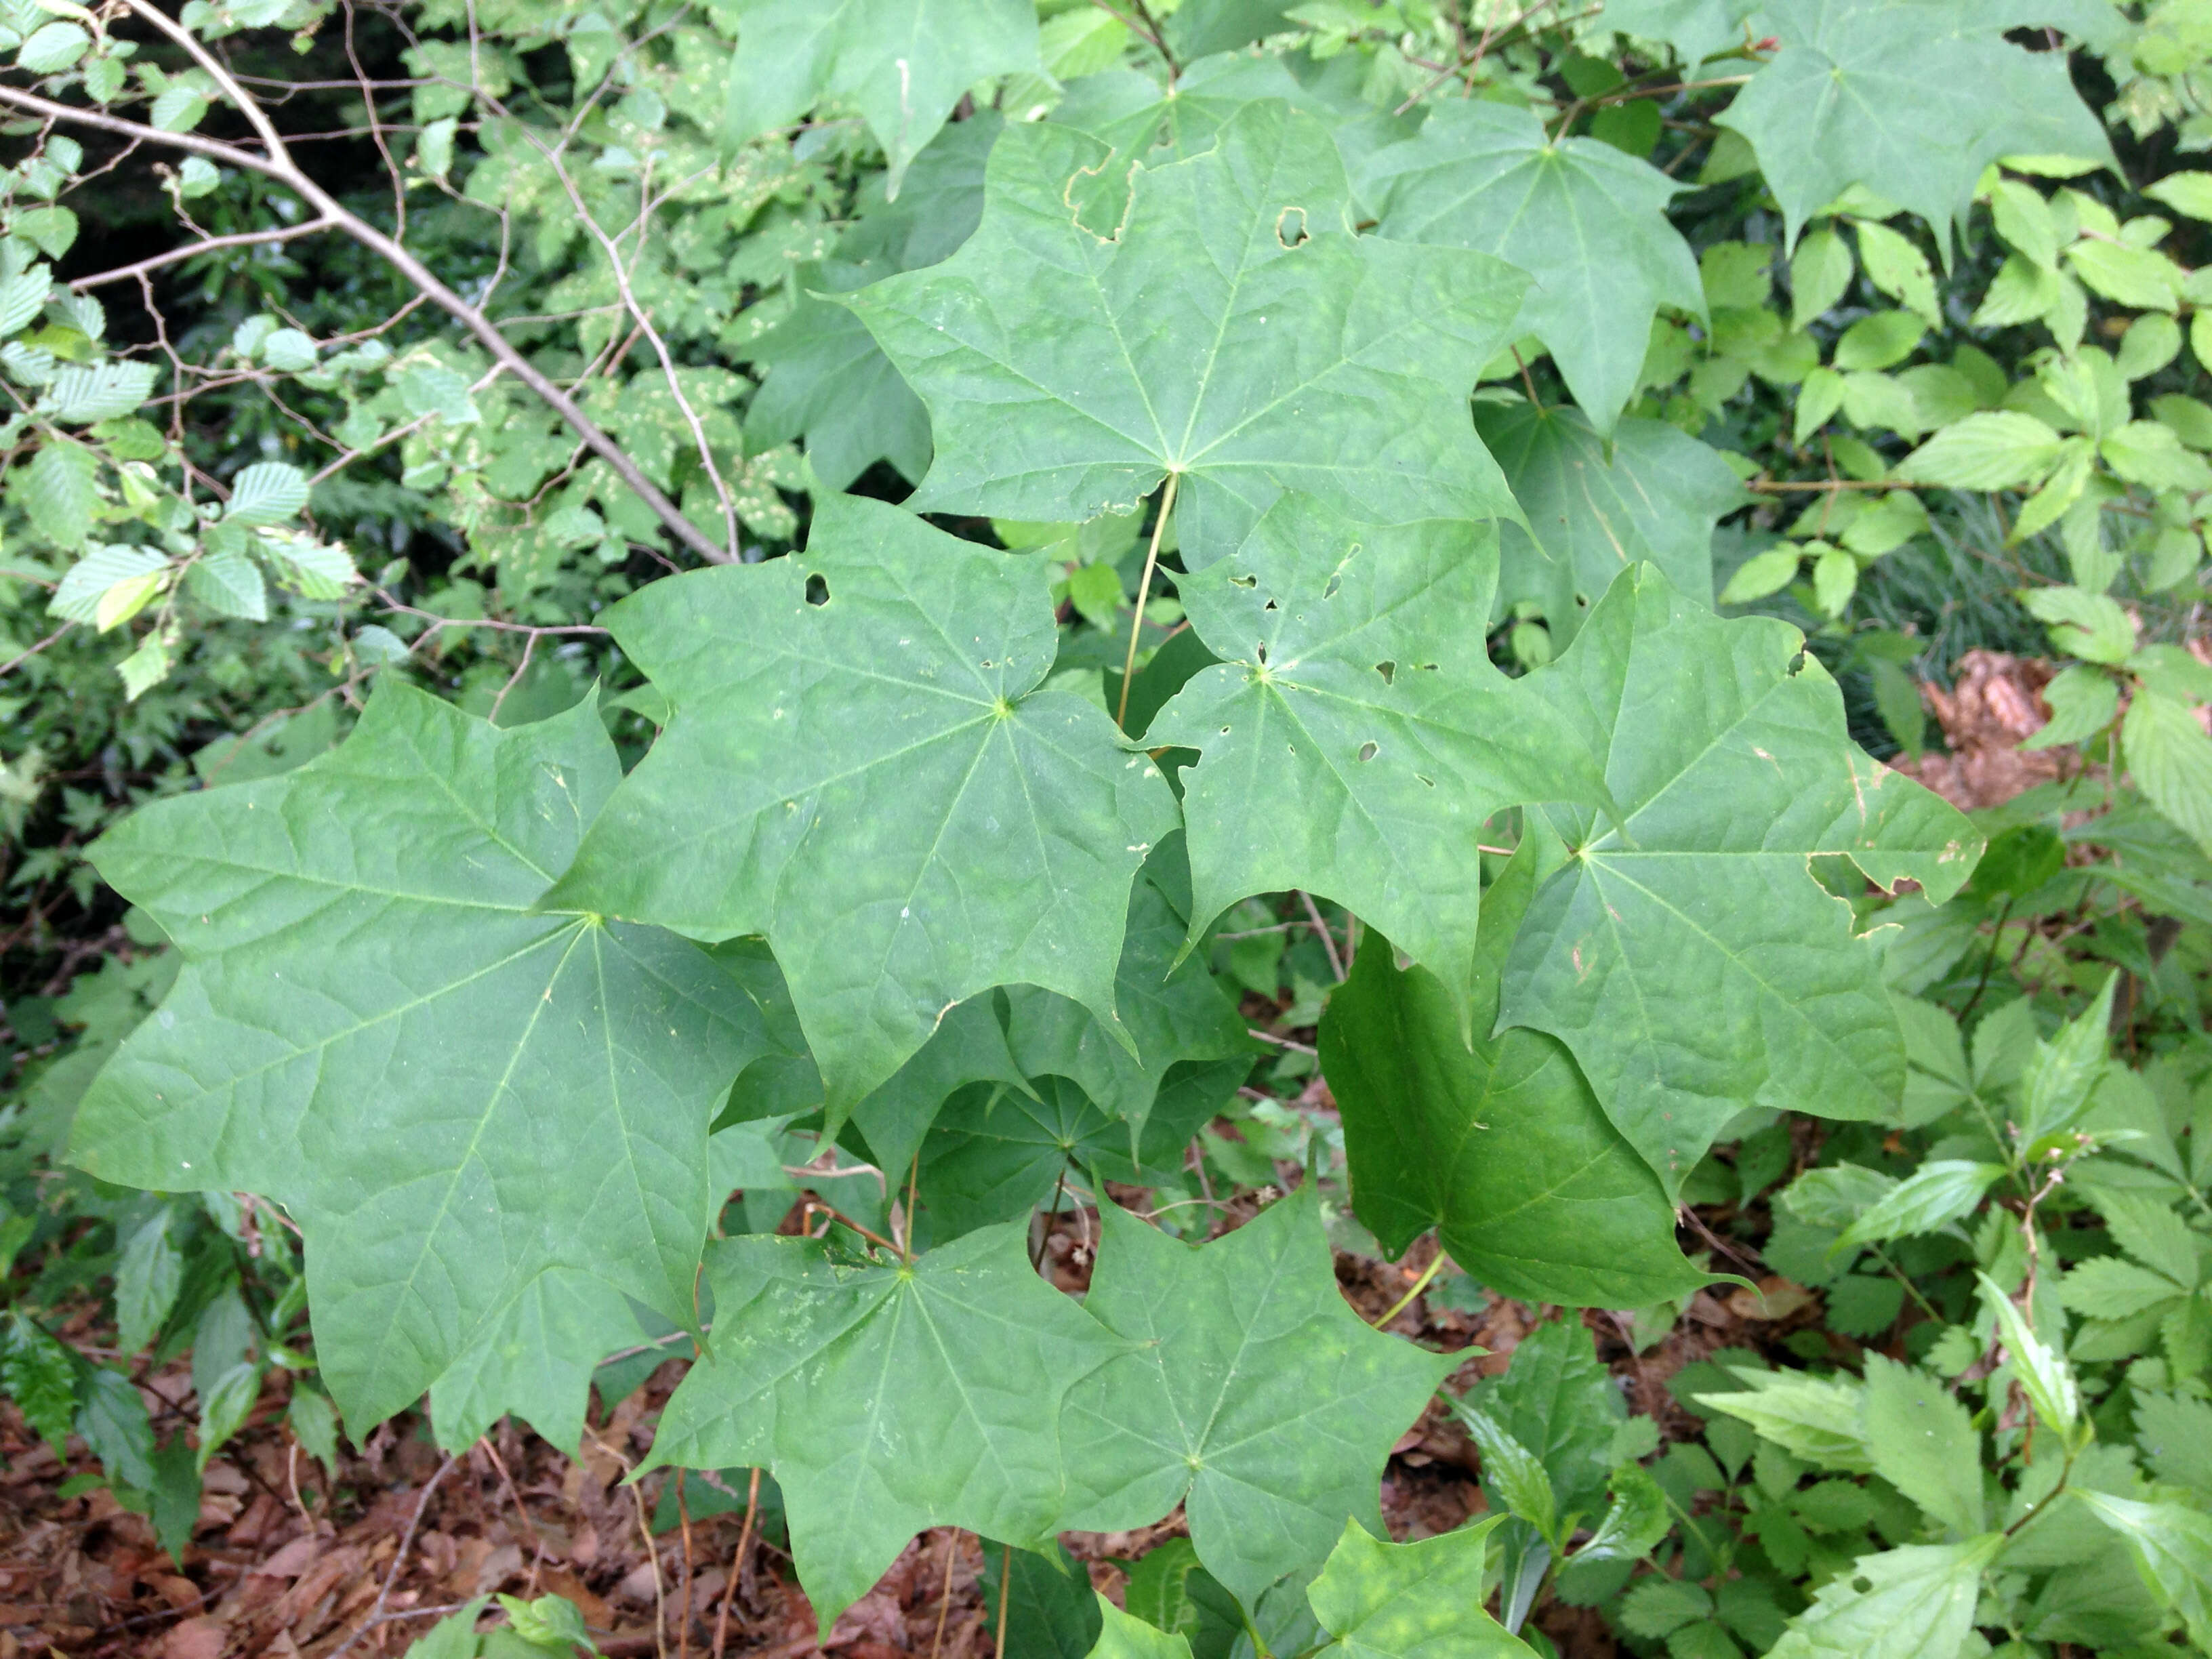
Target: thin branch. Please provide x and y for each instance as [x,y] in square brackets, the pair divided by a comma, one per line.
[399,1559]
[205,245]
[25,656]
[1327,938]
[288,175]
[737,1565]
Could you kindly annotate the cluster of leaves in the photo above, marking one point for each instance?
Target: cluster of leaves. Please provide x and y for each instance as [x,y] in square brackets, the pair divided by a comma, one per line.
[1322,415]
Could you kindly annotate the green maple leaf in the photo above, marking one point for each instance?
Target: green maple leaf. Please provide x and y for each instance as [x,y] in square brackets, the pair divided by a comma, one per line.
[886,1399]
[1912,99]
[1695,28]
[994,1154]
[1075,353]
[829,382]
[1418,1601]
[826,379]
[1587,222]
[875,783]
[1500,1145]
[1595,508]
[1688,957]
[1170,1004]
[903,63]
[1355,681]
[377,1027]
[1258,1400]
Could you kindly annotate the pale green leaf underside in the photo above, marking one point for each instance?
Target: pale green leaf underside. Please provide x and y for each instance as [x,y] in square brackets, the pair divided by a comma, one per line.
[1587,222]
[903,63]
[859,1387]
[874,783]
[375,1028]
[1688,957]
[1220,324]
[1910,98]
[1259,1399]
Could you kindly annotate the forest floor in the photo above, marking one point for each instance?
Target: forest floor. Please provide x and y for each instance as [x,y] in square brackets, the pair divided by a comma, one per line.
[285,1560]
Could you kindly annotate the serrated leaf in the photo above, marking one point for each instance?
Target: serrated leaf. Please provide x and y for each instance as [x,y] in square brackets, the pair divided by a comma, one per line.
[441,1045]
[1258,1400]
[1816,1419]
[1910,98]
[903,63]
[1899,270]
[1071,361]
[1881,339]
[1559,1400]
[1819,275]
[1634,1523]
[2170,757]
[315,570]
[2082,623]
[23,296]
[147,1278]
[52,48]
[112,1419]
[1354,675]
[86,582]
[855,1384]
[267,493]
[58,491]
[230,584]
[2152,1233]
[1418,1601]
[1499,1144]
[1514,1475]
[1912,1603]
[2107,1287]
[2044,1374]
[99,391]
[1932,1196]
[1658,1605]
[180,109]
[1995,449]
[35,1372]
[2172,1545]
[876,784]
[1594,508]
[1923,1441]
[1705,881]
[1487,176]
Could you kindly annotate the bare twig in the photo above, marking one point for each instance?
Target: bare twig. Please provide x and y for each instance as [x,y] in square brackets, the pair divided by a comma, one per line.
[737,1568]
[281,169]
[400,1558]
[1327,938]
[205,245]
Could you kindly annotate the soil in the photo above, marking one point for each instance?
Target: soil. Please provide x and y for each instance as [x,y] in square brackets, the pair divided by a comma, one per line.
[287,1560]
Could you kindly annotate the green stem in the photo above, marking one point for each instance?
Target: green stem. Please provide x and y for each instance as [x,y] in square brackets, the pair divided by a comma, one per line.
[1419,1284]
[1144,590]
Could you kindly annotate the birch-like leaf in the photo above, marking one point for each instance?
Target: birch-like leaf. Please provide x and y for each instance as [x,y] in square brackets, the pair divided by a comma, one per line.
[1687,956]
[861,768]
[1110,323]
[379,1027]
[1587,222]
[886,1399]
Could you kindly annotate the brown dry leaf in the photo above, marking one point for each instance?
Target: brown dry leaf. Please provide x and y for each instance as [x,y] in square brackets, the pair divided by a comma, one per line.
[1995,701]
[1775,1299]
[196,1638]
